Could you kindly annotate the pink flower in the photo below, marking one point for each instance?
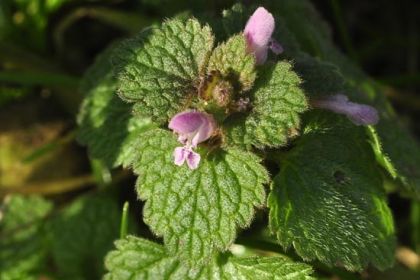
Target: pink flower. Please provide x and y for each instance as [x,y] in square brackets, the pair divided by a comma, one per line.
[258,31]
[192,127]
[359,114]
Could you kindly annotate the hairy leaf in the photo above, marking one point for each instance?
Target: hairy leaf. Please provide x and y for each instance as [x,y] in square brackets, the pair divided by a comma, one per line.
[328,200]
[159,70]
[398,148]
[106,125]
[399,153]
[197,211]
[233,61]
[277,101]
[235,132]
[319,77]
[136,258]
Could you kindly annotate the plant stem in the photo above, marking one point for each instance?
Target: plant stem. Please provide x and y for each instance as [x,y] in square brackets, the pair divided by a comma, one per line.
[124,220]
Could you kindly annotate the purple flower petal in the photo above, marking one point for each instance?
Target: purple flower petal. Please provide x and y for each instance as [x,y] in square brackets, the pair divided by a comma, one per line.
[359,114]
[260,27]
[193,127]
[205,131]
[186,122]
[180,155]
[276,47]
[193,160]
[258,31]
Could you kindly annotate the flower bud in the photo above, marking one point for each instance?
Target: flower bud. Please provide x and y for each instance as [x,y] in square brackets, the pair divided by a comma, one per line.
[258,31]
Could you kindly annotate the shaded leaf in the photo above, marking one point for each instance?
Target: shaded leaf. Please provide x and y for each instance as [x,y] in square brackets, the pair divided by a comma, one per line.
[399,153]
[328,200]
[278,101]
[397,146]
[319,77]
[106,125]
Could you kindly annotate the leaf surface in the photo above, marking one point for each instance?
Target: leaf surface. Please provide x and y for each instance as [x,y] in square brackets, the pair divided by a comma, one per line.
[197,211]
[328,200]
[136,258]
[160,69]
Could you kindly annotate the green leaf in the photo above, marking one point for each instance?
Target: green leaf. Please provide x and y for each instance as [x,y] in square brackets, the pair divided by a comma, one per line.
[267,268]
[328,199]
[161,74]
[235,132]
[23,246]
[399,153]
[233,61]
[278,101]
[106,125]
[319,77]
[197,211]
[82,234]
[136,258]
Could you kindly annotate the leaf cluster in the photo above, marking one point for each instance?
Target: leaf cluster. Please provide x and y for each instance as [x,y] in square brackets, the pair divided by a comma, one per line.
[325,197]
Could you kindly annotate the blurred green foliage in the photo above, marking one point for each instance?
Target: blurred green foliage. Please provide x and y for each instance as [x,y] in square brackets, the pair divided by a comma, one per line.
[25,22]
[36,240]
[23,244]
[82,234]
